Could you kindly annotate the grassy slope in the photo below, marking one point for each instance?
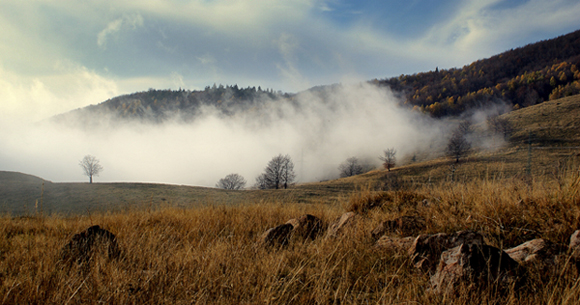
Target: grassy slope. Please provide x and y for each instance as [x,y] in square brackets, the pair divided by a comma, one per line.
[208,255]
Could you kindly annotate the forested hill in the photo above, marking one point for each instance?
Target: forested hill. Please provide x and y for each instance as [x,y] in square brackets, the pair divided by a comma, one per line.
[156,106]
[521,77]
[524,76]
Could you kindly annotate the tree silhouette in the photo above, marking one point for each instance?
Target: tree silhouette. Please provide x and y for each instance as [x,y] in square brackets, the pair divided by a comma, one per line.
[389,159]
[278,174]
[91,167]
[458,146]
[350,167]
[232,182]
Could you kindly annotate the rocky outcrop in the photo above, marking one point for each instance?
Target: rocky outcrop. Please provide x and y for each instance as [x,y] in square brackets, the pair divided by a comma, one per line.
[404,226]
[473,263]
[276,237]
[338,226]
[537,251]
[426,249]
[85,245]
[307,226]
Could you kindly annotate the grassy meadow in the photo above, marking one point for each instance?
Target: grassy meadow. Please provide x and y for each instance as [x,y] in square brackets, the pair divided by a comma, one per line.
[208,253]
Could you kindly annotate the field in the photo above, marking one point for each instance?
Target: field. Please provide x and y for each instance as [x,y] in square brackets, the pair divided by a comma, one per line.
[179,250]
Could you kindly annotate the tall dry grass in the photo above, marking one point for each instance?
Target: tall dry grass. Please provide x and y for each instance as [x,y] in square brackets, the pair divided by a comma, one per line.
[208,255]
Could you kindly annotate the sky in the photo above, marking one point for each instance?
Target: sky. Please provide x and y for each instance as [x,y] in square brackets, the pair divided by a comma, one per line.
[56,56]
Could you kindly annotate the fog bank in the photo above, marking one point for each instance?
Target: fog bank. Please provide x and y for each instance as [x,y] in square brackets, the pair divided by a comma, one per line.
[318,129]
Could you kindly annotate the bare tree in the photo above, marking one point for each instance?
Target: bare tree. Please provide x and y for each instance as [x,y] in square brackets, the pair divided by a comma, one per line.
[501,125]
[350,167]
[389,159]
[91,167]
[279,173]
[458,146]
[232,182]
[465,127]
[261,182]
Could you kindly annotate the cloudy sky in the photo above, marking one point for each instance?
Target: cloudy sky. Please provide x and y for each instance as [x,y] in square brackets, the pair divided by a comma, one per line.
[58,55]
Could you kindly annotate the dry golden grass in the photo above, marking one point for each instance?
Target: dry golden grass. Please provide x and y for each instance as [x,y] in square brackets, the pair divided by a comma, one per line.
[208,255]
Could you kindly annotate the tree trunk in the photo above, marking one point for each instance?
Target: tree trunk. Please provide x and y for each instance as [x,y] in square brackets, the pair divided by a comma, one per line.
[91,179]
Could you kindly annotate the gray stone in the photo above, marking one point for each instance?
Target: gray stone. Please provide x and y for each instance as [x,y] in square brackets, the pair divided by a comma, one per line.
[575,244]
[536,251]
[276,237]
[307,226]
[338,226]
[472,264]
[426,249]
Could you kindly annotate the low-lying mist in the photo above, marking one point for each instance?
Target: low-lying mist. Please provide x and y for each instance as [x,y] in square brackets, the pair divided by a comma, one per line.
[318,129]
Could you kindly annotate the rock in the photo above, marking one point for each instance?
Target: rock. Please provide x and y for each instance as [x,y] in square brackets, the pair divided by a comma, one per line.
[277,236]
[538,251]
[404,226]
[338,226]
[307,226]
[395,244]
[575,244]
[84,245]
[426,249]
[574,248]
[474,263]
[294,222]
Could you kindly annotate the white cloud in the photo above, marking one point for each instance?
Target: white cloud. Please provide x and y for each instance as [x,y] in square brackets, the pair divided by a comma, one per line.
[33,99]
[479,29]
[287,45]
[131,22]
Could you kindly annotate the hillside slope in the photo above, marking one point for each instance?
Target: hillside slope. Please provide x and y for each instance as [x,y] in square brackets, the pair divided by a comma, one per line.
[525,76]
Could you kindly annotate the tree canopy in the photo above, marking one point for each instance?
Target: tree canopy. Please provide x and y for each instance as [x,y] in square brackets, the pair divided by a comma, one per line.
[279,173]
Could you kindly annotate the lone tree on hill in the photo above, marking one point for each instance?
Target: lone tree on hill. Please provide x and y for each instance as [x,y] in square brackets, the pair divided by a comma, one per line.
[278,174]
[91,167]
[389,159]
[350,167]
[458,146]
[232,182]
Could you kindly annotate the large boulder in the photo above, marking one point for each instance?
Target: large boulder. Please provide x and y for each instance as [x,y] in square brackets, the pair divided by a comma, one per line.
[85,245]
[394,244]
[307,226]
[427,248]
[404,226]
[472,264]
[537,251]
[338,226]
[276,237]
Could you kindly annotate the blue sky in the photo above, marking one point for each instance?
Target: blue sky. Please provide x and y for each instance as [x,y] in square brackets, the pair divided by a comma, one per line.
[60,55]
